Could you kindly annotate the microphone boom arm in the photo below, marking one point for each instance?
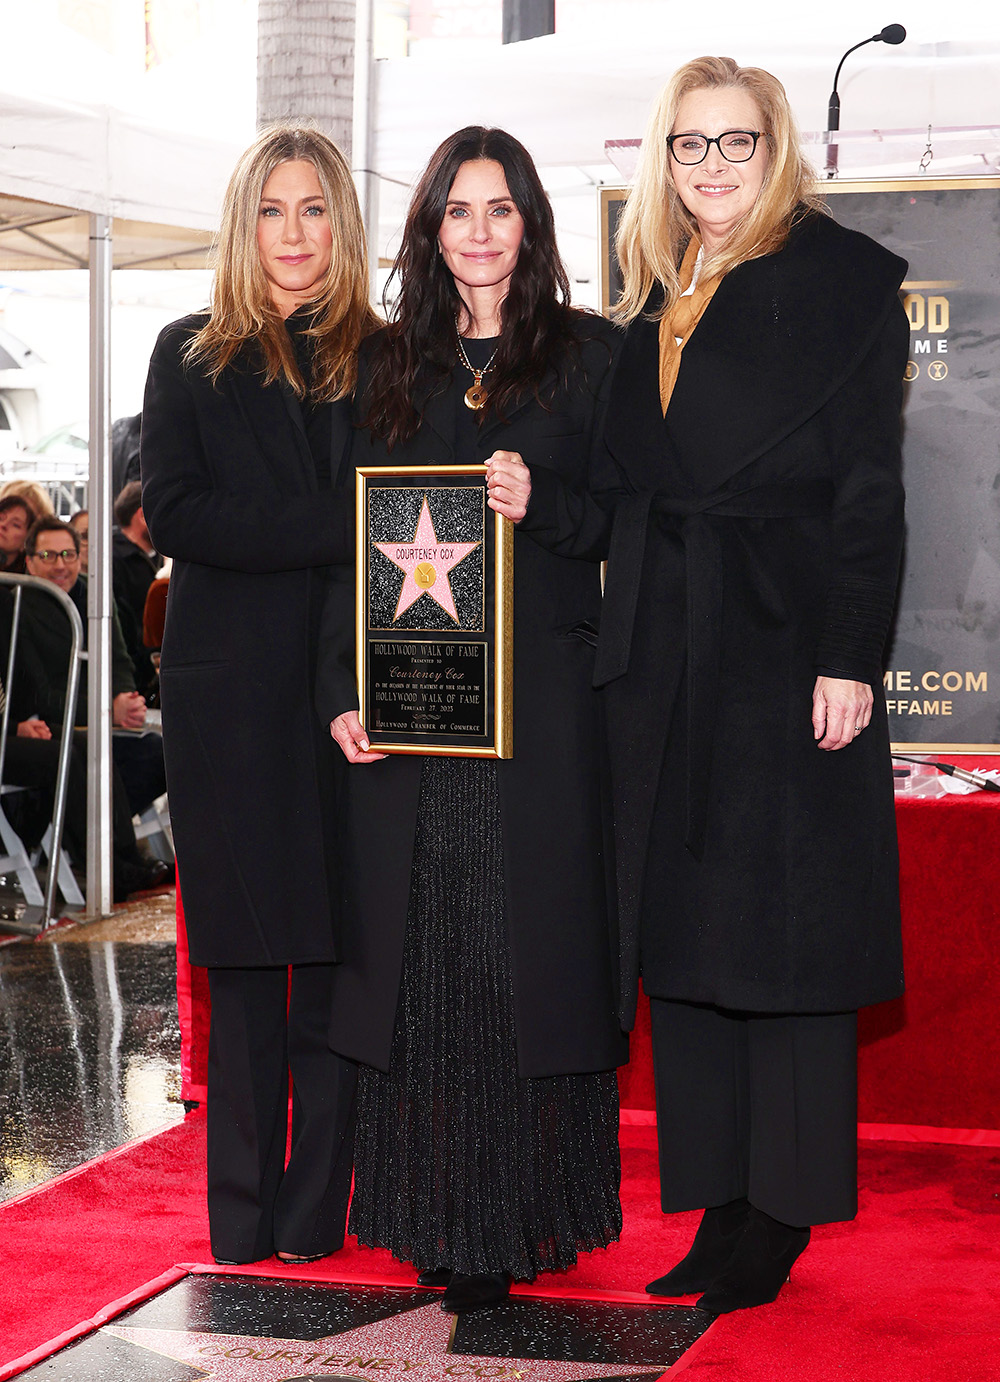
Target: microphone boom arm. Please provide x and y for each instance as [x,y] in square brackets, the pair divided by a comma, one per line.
[892,33]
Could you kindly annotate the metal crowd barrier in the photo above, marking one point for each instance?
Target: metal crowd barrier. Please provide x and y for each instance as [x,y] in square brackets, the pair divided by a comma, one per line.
[76,657]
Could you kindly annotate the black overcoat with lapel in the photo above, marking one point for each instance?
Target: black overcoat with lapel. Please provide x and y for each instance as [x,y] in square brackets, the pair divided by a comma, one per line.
[755,543]
[230,492]
[562,943]
[758,547]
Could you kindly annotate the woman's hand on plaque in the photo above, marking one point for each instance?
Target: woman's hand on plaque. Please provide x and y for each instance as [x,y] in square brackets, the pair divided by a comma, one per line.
[350,734]
[508,484]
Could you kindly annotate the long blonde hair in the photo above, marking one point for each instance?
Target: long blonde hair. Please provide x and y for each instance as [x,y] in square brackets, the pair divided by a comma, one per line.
[242,310]
[656,225]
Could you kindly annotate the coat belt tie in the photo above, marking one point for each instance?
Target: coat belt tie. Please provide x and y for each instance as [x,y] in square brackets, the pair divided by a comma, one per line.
[699,535]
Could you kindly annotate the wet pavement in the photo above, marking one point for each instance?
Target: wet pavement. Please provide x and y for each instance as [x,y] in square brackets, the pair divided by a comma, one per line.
[89,1052]
[148,917]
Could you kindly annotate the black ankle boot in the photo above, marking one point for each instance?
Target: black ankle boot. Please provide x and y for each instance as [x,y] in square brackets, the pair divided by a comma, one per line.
[466,1293]
[759,1266]
[718,1233]
[435,1276]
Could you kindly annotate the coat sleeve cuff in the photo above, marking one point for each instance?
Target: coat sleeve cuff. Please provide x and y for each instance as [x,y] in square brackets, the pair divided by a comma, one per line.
[337,693]
[543,502]
[858,612]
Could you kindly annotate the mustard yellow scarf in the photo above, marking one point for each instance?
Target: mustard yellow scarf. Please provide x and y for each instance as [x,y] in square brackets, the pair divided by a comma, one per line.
[681,321]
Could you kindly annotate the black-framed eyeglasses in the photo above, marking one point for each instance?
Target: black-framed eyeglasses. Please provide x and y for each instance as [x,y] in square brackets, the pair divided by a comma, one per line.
[735,146]
[47,558]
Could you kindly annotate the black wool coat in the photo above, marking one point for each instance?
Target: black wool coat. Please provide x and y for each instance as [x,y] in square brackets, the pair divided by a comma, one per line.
[562,941]
[230,491]
[757,544]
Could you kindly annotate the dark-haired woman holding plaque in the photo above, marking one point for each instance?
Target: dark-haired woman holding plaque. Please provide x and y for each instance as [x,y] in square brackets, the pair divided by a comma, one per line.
[476,984]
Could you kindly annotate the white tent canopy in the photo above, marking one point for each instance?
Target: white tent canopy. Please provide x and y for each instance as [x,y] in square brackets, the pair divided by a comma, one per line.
[566,97]
[90,186]
[161,189]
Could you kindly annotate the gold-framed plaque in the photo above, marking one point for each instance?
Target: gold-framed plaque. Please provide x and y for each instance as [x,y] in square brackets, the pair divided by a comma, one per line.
[434,612]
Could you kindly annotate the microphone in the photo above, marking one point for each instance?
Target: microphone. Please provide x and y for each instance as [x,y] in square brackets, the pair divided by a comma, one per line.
[892,34]
[965,774]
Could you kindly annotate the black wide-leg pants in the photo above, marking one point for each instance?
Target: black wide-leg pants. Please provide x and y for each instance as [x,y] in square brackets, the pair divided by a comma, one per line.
[756,1106]
[264,1025]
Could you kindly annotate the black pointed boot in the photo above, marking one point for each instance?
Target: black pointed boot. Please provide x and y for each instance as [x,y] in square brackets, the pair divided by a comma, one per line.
[758,1268]
[714,1244]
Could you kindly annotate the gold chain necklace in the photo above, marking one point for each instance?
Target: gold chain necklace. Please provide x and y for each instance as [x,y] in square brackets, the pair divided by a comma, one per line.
[475,394]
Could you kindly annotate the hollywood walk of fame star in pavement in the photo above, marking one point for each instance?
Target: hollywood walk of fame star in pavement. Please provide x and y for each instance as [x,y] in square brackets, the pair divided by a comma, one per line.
[425,564]
[251,1330]
[413,1344]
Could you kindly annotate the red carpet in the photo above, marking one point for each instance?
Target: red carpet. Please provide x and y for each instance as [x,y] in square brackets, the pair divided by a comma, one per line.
[931,1058]
[909,1292]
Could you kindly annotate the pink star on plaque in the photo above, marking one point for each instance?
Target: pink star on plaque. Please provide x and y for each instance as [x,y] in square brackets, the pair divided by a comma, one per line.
[415,1342]
[425,563]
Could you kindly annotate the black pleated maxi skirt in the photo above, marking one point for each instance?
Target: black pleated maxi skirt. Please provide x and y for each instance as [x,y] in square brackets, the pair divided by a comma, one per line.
[459,1161]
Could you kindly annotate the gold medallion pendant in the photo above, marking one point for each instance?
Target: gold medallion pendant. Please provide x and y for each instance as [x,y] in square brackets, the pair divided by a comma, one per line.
[475,394]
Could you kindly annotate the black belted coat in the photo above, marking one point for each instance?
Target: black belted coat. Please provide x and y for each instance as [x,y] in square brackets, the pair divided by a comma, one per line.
[756,543]
[562,941]
[231,492]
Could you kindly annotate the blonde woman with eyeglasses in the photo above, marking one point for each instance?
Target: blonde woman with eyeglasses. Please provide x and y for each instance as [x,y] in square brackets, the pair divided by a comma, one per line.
[753,440]
[755,425]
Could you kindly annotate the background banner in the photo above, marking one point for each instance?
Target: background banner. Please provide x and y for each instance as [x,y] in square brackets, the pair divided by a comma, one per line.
[942,683]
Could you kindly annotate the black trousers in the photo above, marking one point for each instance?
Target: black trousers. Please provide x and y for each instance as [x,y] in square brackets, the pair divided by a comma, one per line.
[756,1106]
[139,760]
[265,1025]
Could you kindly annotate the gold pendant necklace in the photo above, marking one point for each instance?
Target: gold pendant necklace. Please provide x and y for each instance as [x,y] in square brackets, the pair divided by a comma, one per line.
[475,395]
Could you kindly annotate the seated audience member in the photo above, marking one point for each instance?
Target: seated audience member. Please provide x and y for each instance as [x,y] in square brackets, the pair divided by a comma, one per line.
[16,518]
[32,760]
[134,564]
[52,553]
[80,523]
[32,493]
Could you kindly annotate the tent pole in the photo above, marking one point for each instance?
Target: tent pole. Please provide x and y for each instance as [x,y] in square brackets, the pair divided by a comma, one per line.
[99,577]
[363,132]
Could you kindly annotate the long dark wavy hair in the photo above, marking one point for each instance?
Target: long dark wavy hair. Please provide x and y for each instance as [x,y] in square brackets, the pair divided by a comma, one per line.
[414,357]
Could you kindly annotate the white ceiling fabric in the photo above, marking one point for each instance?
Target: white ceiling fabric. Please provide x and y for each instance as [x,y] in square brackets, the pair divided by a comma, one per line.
[564,96]
[95,159]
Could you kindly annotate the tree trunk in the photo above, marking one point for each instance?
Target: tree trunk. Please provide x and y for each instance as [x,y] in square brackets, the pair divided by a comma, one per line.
[305,64]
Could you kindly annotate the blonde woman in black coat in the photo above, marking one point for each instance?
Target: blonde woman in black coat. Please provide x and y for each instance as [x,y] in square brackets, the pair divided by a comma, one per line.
[245,416]
[753,447]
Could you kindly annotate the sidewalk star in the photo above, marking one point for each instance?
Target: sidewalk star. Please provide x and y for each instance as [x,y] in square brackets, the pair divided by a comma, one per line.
[425,563]
[413,1344]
